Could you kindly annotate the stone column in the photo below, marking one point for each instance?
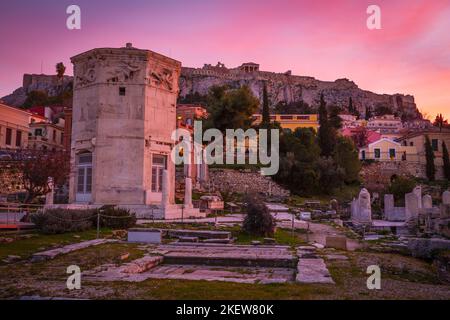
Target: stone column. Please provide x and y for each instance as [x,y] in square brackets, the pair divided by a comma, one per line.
[446,197]
[50,195]
[389,206]
[165,189]
[203,168]
[411,206]
[427,202]
[445,206]
[188,193]
[418,192]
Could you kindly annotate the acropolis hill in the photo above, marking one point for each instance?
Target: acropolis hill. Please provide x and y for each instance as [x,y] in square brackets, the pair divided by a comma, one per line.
[282,88]
[288,88]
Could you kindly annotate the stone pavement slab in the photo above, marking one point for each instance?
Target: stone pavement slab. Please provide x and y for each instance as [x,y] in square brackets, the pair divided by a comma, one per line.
[196,272]
[51,254]
[313,271]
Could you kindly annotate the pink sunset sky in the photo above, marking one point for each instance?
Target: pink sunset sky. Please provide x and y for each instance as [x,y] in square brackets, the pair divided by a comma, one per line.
[323,39]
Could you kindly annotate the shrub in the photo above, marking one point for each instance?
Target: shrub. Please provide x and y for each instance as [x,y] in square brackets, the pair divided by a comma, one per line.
[63,220]
[258,220]
[401,185]
[115,218]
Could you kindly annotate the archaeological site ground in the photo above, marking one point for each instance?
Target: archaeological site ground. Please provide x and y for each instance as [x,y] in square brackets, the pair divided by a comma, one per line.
[308,168]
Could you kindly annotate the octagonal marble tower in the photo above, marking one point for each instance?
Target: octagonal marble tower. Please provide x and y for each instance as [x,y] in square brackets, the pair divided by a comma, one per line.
[124,112]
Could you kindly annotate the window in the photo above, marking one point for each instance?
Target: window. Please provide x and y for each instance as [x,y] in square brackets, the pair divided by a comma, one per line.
[18,138]
[392,153]
[286,117]
[377,153]
[411,144]
[121,91]
[38,132]
[8,136]
[62,138]
[435,144]
[158,166]
[363,155]
[54,135]
[84,177]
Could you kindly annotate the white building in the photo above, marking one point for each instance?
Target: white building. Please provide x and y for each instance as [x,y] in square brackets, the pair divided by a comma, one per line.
[385,124]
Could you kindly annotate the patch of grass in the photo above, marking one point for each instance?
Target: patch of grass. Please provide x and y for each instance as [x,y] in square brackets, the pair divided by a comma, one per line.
[281,236]
[25,247]
[343,194]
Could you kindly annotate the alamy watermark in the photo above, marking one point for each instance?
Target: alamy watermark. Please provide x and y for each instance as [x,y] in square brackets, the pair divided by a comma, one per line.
[258,147]
[374,20]
[74,280]
[73,21]
[374,280]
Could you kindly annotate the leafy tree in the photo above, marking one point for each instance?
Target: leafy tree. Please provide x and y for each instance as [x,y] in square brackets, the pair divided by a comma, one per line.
[446,159]
[326,138]
[258,221]
[231,108]
[401,185]
[361,137]
[193,98]
[300,107]
[346,157]
[265,110]
[36,166]
[36,98]
[331,175]
[299,154]
[60,69]
[381,109]
[430,165]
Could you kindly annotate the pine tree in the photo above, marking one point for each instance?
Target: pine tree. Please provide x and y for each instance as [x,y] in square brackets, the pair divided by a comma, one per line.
[429,154]
[325,131]
[265,110]
[446,160]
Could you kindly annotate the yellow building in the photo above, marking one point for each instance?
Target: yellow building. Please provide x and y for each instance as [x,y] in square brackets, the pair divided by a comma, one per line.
[292,121]
[14,127]
[45,135]
[389,150]
[417,140]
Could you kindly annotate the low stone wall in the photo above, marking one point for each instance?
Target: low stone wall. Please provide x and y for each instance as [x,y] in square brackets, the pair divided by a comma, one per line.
[241,181]
[377,175]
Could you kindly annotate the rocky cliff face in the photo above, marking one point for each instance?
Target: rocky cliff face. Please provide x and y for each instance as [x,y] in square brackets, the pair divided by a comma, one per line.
[288,88]
[282,88]
[50,84]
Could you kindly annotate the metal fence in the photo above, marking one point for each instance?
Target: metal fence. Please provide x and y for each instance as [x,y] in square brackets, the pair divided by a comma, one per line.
[12,213]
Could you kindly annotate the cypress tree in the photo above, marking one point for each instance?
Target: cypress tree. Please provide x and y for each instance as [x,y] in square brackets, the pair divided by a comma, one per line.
[325,133]
[429,154]
[351,109]
[368,113]
[446,160]
[265,110]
